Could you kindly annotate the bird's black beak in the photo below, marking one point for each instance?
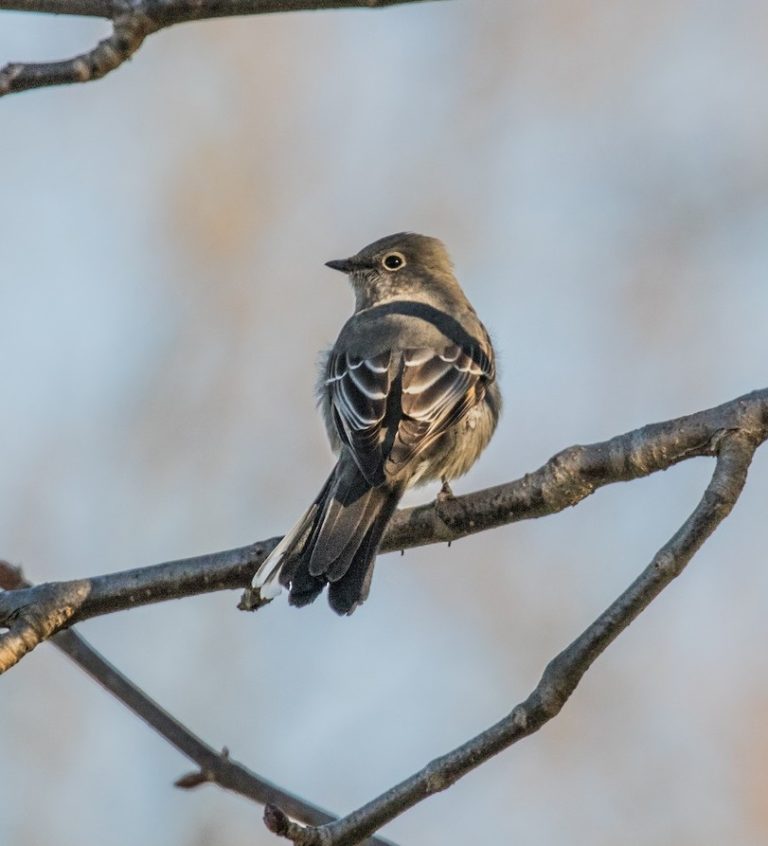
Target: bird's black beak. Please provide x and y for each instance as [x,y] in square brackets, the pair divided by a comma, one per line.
[346,265]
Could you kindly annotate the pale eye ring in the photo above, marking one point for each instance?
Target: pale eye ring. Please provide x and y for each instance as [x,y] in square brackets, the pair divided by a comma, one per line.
[393,261]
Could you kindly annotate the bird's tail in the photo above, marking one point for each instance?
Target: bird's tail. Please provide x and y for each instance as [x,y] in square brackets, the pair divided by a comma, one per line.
[335,542]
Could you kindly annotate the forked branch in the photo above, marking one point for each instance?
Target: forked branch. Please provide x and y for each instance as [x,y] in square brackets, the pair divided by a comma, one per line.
[213,767]
[732,432]
[128,33]
[561,675]
[132,21]
[34,614]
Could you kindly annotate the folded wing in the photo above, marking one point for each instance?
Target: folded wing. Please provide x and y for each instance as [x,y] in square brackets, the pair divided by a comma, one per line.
[391,407]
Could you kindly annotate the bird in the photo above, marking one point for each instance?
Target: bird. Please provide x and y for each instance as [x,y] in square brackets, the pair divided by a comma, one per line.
[408,394]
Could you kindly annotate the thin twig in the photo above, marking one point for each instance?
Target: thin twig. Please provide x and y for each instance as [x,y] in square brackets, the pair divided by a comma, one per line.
[561,675]
[215,767]
[88,8]
[132,21]
[128,34]
[178,11]
[563,481]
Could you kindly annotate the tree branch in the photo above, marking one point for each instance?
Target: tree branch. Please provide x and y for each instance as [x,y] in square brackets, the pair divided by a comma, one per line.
[128,34]
[561,675]
[31,625]
[178,11]
[215,767]
[132,21]
[82,8]
[563,481]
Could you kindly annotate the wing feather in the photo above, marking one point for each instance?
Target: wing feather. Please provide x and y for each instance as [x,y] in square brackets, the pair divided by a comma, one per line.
[439,387]
[359,392]
[435,390]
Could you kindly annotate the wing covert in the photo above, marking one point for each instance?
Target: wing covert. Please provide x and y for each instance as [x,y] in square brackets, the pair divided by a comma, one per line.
[438,389]
[359,390]
[435,390]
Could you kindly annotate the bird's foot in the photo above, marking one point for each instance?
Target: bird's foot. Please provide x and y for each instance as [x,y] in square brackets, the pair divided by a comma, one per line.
[445,493]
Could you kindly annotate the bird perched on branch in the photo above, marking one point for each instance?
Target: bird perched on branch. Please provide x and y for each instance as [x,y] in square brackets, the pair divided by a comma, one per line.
[409,395]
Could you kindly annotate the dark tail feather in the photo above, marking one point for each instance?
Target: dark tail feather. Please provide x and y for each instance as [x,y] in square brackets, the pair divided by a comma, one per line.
[335,542]
[346,593]
[305,588]
[351,509]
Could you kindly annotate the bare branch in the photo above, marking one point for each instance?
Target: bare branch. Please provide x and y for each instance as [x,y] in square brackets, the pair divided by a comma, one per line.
[128,34]
[561,675]
[215,767]
[31,625]
[84,8]
[178,11]
[169,12]
[132,21]
[563,481]
[578,471]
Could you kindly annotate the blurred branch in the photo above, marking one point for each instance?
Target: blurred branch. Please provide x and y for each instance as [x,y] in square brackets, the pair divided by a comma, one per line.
[88,8]
[128,34]
[35,613]
[132,21]
[215,767]
[562,674]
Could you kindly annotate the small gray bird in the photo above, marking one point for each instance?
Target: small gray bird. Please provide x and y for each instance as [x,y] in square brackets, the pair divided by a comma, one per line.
[409,395]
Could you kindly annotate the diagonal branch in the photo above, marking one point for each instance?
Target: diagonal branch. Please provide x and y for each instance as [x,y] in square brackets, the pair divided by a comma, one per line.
[128,34]
[215,767]
[563,481]
[561,675]
[132,21]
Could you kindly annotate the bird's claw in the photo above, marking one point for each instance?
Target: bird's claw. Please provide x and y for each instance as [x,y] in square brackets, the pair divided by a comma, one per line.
[252,600]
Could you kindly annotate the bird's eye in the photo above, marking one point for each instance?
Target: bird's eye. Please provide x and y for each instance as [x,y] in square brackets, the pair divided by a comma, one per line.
[393,261]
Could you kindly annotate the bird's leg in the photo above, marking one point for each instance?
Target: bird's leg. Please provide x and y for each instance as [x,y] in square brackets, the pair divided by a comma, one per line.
[445,493]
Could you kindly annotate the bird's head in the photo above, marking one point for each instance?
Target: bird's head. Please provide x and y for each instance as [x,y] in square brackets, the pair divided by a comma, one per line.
[401,266]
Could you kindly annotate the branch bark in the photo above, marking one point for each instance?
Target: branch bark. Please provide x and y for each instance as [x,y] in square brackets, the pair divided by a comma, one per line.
[563,481]
[132,21]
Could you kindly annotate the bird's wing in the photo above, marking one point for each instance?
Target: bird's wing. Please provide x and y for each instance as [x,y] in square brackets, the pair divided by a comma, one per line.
[438,389]
[389,415]
[359,391]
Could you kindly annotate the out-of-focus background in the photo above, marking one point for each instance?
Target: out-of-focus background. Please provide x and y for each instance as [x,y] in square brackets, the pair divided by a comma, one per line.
[599,173]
